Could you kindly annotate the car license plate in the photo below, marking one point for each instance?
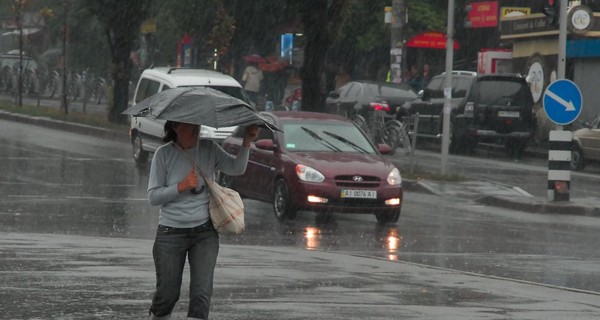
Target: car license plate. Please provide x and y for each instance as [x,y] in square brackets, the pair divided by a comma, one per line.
[362,194]
[508,114]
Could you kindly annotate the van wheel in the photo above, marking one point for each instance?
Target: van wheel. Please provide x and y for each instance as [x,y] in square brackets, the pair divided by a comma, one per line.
[140,156]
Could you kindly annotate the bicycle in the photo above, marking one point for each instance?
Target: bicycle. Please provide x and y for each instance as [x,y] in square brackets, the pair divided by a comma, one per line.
[387,130]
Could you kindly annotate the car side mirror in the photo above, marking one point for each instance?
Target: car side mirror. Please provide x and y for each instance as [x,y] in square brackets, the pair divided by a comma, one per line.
[384,148]
[333,95]
[265,144]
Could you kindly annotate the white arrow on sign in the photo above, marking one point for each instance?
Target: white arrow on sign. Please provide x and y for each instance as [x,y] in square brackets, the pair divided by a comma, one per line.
[569,106]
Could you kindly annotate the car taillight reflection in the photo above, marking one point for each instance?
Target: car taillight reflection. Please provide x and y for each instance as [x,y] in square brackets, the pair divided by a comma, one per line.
[380,106]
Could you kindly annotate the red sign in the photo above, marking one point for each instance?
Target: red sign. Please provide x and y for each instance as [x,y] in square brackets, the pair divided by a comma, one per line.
[430,40]
[483,14]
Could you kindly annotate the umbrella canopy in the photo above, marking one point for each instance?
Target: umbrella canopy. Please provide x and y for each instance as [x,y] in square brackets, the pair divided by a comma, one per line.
[199,105]
[273,64]
[254,58]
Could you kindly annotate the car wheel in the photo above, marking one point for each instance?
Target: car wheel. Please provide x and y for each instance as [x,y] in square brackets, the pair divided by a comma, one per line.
[140,156]
[282,206]
[388,217]
[577,158]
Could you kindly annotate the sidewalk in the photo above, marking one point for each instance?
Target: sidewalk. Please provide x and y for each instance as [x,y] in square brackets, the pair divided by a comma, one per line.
[73,277]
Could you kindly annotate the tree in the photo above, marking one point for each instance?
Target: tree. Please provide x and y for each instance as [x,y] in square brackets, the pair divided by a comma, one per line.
[121,21]
[208,23]
[321,20]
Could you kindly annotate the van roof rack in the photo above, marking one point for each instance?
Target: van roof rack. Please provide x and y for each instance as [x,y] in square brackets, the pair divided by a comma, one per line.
[463,72]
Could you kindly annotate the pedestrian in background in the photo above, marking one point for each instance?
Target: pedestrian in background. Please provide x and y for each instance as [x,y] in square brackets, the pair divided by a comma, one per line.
[185,228]
[252,79]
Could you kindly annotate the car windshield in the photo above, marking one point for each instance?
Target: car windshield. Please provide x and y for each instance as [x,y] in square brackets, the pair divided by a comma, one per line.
[460,86]
[388,90]
[235,92]
[325,137]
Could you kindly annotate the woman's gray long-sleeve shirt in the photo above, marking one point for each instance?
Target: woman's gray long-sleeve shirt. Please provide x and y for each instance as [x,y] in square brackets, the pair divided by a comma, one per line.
[170,166]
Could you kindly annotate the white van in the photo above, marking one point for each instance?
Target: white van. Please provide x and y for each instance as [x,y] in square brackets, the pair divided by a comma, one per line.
[146,134]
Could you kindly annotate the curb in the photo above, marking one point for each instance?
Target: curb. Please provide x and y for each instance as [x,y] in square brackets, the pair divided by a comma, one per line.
[537,206]
[417,186]
[64,125]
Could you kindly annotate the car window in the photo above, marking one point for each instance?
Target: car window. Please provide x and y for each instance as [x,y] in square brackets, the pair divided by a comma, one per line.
[325,136]
[146,88]
[596,123]
[391,91]
[354,90]
[494,91]
[460,87]
[434,89]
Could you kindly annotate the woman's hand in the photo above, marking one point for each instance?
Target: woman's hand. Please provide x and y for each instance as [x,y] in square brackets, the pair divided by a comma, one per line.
[189,182]
[251,134]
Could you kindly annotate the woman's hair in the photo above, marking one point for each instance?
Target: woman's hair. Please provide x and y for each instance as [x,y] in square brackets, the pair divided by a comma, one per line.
[170,134]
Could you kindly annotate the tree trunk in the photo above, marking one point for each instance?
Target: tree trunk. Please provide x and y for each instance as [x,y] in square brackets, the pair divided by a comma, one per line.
[314,17]
[321,19]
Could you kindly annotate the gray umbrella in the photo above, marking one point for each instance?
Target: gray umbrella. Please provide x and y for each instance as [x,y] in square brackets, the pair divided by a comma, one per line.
[199,105]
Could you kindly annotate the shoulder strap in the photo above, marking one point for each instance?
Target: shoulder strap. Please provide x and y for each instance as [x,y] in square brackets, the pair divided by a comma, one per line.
[191,161]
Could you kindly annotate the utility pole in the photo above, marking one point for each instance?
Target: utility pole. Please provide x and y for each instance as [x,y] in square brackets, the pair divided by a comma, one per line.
[448,88]
[64,103]
[397,40]
[562,39]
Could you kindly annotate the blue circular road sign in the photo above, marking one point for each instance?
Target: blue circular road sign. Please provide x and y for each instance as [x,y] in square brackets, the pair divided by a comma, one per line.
[562,101]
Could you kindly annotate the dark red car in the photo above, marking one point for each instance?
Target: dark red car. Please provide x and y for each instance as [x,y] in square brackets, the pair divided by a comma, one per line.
[322,163]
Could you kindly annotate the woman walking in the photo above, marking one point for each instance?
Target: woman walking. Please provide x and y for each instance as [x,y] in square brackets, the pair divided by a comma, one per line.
[185,230]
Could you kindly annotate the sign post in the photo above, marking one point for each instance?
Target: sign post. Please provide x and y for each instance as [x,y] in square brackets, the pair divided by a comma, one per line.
[562,103]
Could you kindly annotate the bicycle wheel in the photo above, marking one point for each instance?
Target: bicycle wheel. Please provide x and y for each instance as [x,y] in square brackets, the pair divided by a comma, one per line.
[396,136]
[361,122]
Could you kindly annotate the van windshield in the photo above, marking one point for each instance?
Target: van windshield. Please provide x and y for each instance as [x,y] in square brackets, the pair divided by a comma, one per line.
[235,92]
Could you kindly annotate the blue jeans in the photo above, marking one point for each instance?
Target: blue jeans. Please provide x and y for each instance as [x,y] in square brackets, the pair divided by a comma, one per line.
[172,245]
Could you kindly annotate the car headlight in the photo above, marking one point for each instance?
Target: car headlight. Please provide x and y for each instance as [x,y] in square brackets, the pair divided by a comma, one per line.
[306,173]
[394,177]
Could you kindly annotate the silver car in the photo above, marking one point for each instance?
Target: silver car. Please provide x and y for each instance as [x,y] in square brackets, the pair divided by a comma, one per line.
[586,144]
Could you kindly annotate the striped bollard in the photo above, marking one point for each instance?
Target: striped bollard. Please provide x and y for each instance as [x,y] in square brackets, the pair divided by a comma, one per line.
[559,161]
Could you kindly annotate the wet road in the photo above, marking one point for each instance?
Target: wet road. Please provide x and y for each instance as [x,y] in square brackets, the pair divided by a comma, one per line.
[58,182]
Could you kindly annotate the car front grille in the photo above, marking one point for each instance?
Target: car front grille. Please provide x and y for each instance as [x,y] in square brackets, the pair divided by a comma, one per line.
[352,182]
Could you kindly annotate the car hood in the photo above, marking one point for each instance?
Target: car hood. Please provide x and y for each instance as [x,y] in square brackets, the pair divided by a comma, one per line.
[341,163]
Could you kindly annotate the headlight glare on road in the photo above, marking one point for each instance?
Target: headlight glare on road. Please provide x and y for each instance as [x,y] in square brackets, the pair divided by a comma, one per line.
[394,177]
[306,173]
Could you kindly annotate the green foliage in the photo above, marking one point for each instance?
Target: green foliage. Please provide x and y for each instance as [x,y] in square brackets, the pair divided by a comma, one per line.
[426,15]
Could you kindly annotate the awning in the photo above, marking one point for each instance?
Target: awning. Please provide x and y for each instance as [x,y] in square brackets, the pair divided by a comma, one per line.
[430,40]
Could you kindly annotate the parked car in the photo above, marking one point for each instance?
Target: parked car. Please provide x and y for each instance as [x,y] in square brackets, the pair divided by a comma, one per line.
[586,145]
[495,108]
[362,97]
[146,134]
[321,163]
